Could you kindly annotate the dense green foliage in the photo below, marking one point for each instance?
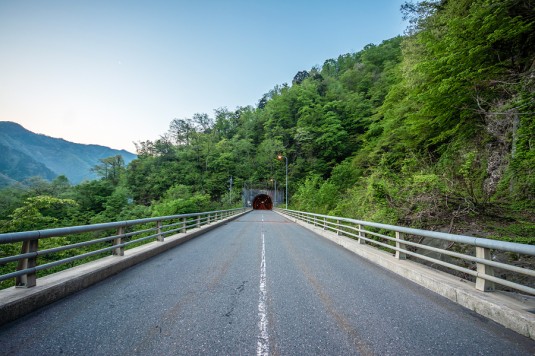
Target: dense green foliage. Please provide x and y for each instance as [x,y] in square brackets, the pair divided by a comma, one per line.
[433,129]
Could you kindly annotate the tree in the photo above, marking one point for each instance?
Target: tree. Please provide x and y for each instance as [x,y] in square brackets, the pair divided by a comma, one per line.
[180,130]
[60,186]
[145,148]
[110,169]
[91,196]
[202,122]
[299,77]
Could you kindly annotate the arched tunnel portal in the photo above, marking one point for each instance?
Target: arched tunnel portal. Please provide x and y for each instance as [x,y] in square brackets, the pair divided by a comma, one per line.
[262,202]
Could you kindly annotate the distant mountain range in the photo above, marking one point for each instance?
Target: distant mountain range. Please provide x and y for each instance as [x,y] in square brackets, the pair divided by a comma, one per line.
[24,154]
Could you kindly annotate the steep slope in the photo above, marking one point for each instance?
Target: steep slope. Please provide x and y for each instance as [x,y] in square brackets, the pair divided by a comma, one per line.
[28,154]
[16,165]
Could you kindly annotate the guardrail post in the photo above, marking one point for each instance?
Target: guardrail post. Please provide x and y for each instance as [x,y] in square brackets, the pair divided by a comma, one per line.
[159,231]
[27,280]
[324,223]
[208,219]
[337,227]
[400,255]
[183,225]
[361,234]
[482,269]
[198,221]
[119,251]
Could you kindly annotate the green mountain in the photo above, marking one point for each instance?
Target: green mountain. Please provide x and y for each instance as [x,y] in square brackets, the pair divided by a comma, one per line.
[26,154]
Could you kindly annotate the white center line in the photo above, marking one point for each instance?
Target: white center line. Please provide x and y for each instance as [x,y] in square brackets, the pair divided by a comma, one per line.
[262,348]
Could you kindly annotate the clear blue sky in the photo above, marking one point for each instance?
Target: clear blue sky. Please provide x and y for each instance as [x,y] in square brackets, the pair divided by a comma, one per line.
[113,72]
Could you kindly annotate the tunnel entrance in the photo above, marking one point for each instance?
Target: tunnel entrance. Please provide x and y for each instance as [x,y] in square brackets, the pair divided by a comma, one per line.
[262,202]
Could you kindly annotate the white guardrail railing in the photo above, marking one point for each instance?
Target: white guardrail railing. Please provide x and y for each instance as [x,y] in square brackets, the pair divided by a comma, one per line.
[123,234]
[401,241]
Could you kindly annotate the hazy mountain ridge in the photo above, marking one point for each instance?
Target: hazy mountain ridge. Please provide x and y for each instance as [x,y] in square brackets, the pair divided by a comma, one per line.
[26,154]
[16,165]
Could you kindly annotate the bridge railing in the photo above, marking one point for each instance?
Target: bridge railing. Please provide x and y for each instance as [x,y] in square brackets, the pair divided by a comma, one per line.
[106,238]
[472,256]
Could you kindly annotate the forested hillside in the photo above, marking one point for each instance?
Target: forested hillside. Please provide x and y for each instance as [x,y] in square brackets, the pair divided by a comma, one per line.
[434,129]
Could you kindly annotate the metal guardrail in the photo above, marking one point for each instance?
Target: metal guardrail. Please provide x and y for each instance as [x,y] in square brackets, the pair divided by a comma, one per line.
[26,271]
[483,260]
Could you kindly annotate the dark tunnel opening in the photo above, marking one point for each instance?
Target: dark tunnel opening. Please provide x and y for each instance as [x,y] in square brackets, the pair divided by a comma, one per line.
[262,202]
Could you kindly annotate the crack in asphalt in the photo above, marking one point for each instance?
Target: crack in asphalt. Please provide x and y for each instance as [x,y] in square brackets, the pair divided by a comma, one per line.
[234,302]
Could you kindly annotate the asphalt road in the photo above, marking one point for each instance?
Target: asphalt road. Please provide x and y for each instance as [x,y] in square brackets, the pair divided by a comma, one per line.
[258,285]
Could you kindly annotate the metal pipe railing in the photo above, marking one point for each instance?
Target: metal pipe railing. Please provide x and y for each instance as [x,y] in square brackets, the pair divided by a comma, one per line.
[25,273]
[484,264]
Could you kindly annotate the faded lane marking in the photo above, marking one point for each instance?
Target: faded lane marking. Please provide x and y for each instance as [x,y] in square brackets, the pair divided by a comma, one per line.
[262,348]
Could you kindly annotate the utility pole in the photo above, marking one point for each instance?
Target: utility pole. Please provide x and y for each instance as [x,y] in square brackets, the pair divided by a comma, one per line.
[230,189]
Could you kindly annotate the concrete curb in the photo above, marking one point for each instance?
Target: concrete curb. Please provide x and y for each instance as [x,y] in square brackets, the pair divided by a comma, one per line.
[501,307]
[17,302]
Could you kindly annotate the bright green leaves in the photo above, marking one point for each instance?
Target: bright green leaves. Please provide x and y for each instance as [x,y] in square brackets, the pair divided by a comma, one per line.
[316,195]
[459,54]
[179,199]
[332,138]
[40,212]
